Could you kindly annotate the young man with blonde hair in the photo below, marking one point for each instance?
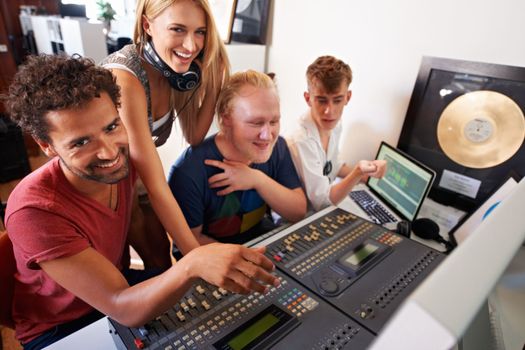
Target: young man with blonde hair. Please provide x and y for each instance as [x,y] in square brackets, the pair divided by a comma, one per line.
[226,185]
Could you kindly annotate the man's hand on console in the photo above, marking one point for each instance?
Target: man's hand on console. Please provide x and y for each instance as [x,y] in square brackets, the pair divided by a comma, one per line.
[233,267]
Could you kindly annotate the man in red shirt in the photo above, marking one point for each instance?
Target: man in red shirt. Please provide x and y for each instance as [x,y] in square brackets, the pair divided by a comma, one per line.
[68,220]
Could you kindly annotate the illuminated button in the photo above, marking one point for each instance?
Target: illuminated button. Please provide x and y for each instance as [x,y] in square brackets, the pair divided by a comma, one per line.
[217,295]
[199,289]
[169,347]
[277,258]
[138,343]
[186,337]
[223,291]
[198,338]
[202,327]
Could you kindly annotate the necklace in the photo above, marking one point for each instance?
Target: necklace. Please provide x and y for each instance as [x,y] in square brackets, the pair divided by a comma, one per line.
[110,196]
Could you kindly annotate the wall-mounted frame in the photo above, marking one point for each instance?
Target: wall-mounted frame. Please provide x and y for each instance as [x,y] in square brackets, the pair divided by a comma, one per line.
[223,13]
[439,82]
[250,24]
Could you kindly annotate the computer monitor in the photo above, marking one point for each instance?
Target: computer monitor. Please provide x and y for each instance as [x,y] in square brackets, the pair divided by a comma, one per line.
[437,314]
[405,184]
[72,10]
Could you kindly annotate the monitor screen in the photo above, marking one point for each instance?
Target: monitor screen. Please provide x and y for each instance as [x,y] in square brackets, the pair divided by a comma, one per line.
[72,10]
[405,184]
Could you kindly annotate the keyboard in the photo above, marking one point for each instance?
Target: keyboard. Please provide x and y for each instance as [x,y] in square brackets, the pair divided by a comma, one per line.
[376,212]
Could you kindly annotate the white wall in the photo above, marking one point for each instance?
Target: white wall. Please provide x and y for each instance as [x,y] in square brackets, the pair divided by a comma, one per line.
[383,41]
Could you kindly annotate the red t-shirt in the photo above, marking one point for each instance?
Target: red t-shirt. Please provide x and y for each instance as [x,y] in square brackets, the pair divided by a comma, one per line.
[47,218]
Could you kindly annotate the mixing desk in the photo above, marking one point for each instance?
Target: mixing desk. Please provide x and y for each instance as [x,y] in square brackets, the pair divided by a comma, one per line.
[342,278]
[359,267]
[288,317]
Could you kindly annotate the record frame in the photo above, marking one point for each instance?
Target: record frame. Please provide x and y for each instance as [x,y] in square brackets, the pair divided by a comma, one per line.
[419,133]
[250,23]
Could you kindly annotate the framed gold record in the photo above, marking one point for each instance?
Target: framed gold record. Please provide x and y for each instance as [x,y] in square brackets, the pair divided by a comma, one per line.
[465,120]
[481,129]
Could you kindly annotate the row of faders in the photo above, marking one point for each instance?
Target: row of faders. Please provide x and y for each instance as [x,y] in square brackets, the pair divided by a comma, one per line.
[288,317]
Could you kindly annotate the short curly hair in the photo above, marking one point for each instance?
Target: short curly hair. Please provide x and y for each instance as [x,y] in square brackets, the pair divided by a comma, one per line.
[330,72]
[48,83]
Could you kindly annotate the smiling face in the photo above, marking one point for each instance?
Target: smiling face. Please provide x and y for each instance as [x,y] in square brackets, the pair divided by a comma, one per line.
[178,33]
[327,107]
[252,126]
[91,142]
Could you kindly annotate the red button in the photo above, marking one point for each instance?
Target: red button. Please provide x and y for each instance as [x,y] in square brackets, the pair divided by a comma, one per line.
[139,344]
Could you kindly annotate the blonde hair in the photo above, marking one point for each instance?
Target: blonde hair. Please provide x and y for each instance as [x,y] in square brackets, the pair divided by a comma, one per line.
[215,65]
[234,85]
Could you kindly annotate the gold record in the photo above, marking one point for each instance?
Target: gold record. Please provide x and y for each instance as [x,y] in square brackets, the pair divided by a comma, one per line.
[481,129]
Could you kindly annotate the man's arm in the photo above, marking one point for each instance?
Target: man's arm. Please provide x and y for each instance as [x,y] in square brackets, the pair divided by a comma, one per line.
[201,237]
[351,177]
[95,280]
[289,203]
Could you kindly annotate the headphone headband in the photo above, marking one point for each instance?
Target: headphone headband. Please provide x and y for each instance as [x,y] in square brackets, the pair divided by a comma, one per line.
[179,81]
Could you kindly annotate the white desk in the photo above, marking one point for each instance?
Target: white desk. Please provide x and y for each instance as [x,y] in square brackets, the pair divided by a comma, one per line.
[94,336]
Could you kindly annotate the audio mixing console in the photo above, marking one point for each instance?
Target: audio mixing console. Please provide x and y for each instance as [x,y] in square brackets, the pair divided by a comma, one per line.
[359,267]
[288,317]
[342,277]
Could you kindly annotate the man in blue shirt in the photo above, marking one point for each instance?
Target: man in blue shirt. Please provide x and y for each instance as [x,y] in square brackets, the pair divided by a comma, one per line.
[227,184]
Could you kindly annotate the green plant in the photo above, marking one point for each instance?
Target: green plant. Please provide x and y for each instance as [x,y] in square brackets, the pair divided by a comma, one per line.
[106,12]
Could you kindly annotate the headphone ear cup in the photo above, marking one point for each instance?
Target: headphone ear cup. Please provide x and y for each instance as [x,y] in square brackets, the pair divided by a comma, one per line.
[403,228]
[179,81]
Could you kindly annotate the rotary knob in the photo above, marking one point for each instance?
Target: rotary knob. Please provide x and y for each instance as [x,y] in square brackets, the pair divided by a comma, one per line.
[329,286]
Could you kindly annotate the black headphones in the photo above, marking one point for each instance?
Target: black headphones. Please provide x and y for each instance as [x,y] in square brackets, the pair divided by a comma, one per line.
[179,81]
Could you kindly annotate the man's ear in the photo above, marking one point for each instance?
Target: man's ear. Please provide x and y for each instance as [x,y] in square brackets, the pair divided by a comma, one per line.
[47,148]
[307,98]
[348,96]
[226,120]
